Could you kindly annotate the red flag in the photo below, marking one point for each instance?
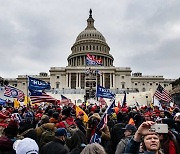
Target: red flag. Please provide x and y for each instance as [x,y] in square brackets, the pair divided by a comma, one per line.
[119,104]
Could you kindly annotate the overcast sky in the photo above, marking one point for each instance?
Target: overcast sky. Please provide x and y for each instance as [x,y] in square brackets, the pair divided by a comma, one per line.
[38,34]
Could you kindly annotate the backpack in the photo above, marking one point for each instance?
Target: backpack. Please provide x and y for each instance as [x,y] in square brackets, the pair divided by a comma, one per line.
[46,136]
[71,133]
[71,129]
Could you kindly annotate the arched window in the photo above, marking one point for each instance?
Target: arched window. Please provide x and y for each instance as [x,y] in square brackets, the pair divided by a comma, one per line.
[57,85]
[122,85]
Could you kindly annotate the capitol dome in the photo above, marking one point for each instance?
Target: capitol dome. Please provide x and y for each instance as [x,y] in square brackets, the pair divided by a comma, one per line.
[90,41]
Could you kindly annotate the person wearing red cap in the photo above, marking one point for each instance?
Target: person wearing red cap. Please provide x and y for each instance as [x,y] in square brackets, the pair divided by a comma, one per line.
[9,136]
[68,120]
[3,118]
[147,116]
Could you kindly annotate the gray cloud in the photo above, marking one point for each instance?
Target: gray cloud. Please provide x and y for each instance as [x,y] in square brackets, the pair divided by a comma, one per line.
[37,35]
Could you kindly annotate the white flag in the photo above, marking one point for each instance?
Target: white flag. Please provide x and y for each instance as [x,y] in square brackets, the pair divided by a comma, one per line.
[157,103]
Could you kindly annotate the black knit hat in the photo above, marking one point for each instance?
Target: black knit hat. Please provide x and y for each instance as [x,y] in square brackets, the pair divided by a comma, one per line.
[11,129]
[67,112]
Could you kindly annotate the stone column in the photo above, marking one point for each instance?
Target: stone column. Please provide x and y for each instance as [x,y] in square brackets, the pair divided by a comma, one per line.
[85,60]
[80,60]
[103,84]
[67,76]
[110,81]
[77,80]
[113,81]
[76,60]
[69,80]
[101,79]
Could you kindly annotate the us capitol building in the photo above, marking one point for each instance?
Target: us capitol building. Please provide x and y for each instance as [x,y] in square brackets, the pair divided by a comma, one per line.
[80,79]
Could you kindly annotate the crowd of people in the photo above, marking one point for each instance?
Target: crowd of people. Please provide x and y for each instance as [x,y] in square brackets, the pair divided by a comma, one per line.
[53,129]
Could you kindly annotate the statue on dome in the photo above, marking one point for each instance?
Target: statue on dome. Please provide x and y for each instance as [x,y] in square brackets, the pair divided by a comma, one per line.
[90,13]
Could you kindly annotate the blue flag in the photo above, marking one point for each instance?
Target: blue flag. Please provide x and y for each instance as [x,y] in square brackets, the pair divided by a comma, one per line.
[2,101]
[37,84]
[110,110]
[95,138]
[124,100]
[104,93]
[35,93]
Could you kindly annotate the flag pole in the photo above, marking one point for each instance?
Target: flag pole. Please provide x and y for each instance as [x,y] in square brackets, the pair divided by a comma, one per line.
[27,97]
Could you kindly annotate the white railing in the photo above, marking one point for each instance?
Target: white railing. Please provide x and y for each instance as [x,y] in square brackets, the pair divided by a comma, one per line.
[82,91]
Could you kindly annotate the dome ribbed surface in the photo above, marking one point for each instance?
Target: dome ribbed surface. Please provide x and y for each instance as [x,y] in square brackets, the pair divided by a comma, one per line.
[90,34]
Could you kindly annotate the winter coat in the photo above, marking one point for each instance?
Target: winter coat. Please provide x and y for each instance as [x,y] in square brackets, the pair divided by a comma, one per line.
[47,126]
[104,136]
[6,145]
[80,125]
[122,144]
[69,120]
[54,147]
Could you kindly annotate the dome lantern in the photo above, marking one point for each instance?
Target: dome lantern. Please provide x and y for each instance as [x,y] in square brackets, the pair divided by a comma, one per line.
[90,21]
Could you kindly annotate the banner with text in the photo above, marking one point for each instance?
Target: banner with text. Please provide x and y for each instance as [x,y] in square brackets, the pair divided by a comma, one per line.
[104,93]
[37,84]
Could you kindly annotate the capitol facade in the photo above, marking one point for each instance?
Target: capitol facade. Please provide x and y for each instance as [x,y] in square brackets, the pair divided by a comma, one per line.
[80,78]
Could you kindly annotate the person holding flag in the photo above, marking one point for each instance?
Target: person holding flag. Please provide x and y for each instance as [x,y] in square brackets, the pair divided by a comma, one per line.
[94,133]
[100,132]
[97,128]
[79,122]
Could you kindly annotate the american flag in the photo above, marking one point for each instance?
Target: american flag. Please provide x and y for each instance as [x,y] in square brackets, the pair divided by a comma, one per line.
[102,123]
[91,60]
[14,93]
[38,97]
[162,94]
[65,100]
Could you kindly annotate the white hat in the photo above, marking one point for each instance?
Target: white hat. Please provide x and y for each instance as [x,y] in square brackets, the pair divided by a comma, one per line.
[26,146]
[177,114]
